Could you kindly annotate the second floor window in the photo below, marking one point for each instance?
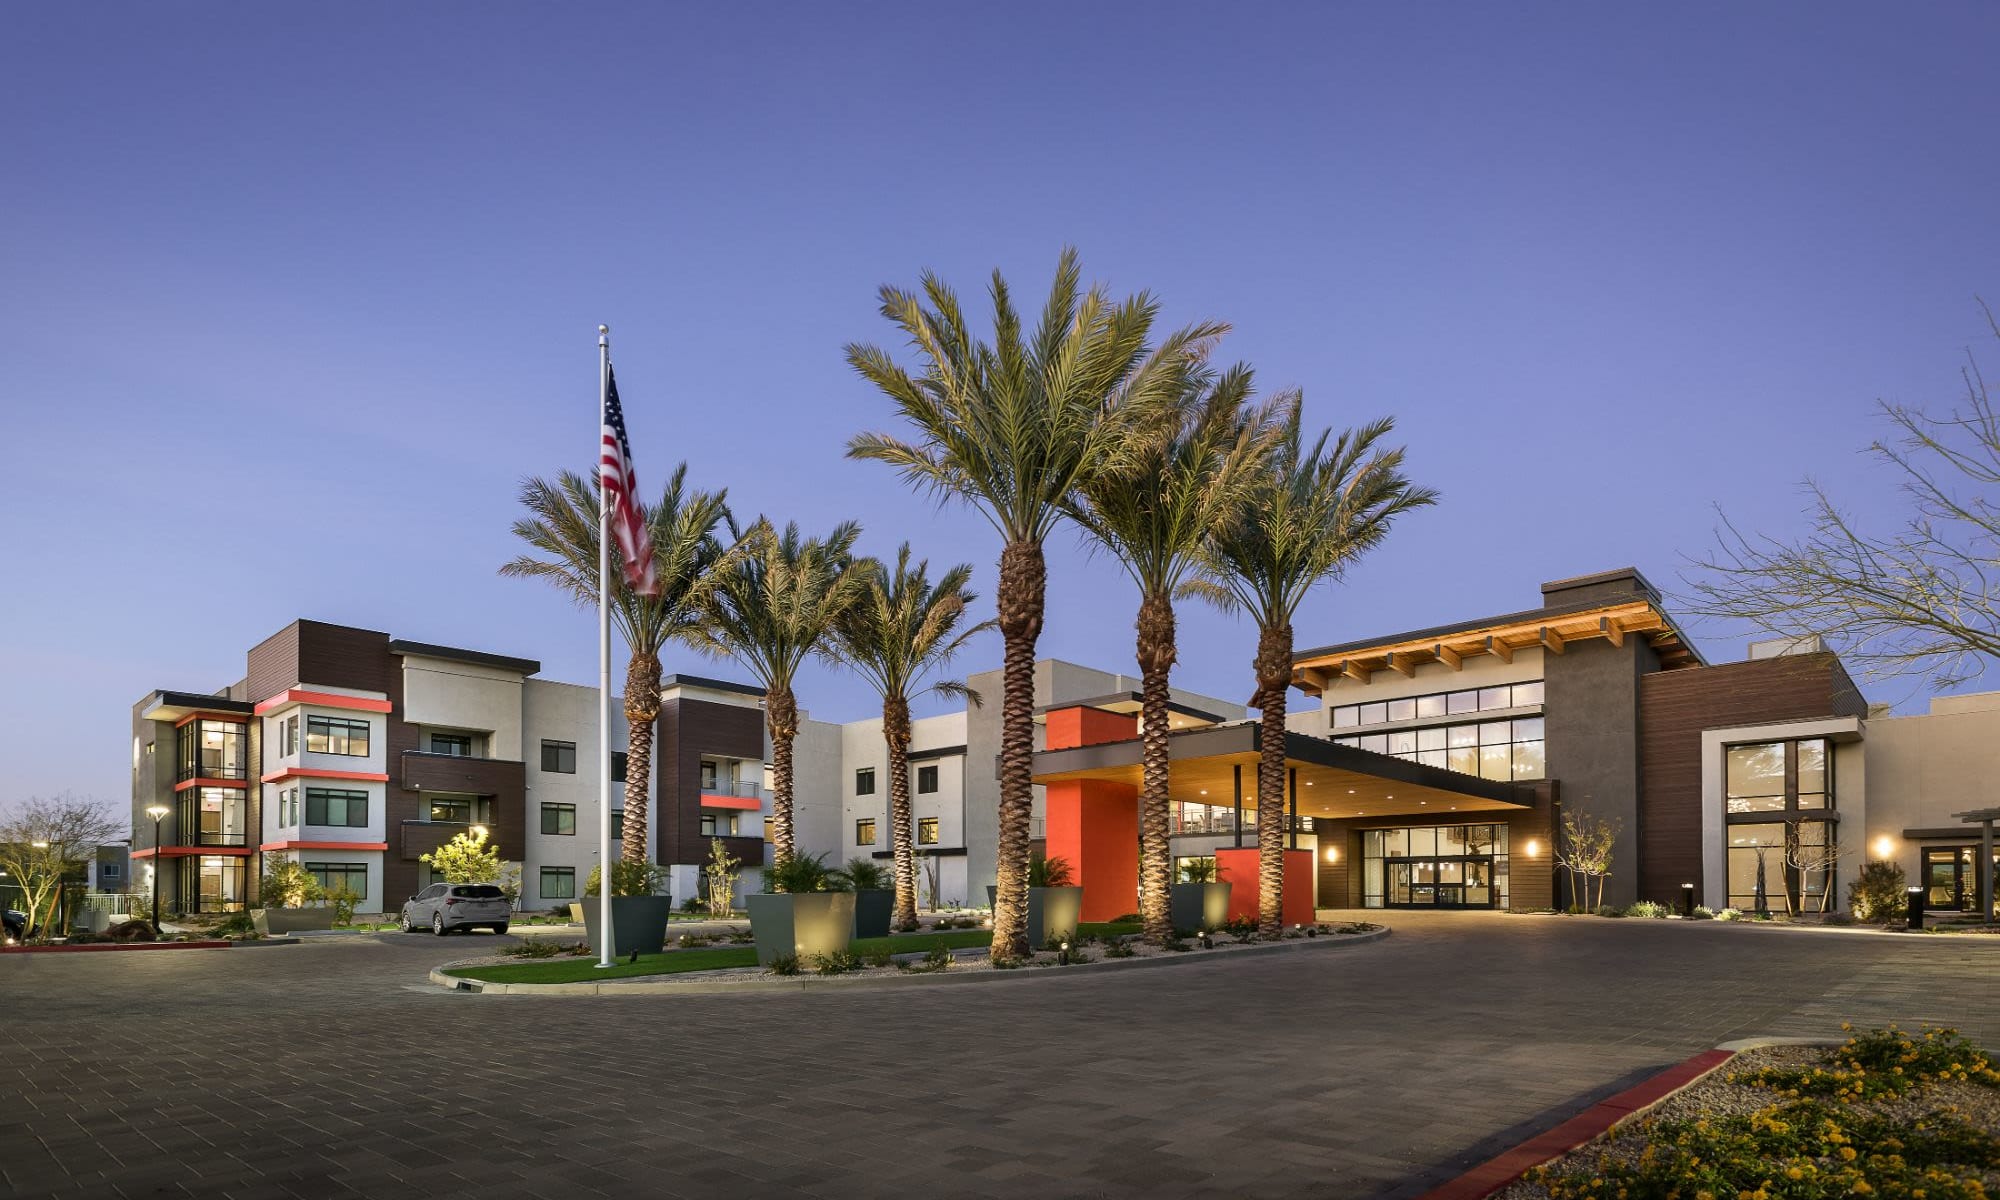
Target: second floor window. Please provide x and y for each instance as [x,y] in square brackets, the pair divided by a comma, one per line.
[464,809]
[927,831]
[618,766]
[559,818]
[708,828]
[336,806]
[864,831]
[288,735]
[927,780]
[864,781]
[337,735]
[459,744]
[559,758]
[558,883]
[617,824]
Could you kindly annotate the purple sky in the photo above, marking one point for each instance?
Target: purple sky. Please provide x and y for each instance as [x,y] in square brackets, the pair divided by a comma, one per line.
[293,298]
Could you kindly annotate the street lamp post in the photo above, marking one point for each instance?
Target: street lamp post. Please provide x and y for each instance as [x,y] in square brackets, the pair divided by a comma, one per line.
[159,813]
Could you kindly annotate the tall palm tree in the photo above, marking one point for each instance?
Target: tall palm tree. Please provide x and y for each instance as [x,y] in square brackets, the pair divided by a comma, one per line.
[1184,480]
[903,628]
[1312,512]
[561,529]
[1011,428]
[774,608]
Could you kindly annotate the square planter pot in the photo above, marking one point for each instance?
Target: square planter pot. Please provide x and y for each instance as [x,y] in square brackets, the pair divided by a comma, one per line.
[874,908]
[1199,907]
[1053,913]
[808,925]
[637,923]
[280,921]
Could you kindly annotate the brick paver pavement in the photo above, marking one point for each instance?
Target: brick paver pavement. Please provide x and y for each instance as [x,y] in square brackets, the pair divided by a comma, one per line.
[332,1070]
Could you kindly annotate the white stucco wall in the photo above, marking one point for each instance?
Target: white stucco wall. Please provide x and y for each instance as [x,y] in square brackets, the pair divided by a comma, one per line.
[566,712]
[455,695]
[1926,767]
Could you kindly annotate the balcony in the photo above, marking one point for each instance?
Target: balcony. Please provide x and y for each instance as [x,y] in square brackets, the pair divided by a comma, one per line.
[1224,821]
[426,771]
[739,794]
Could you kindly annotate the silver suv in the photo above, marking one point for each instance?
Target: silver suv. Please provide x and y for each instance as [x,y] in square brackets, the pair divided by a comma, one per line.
[443,907]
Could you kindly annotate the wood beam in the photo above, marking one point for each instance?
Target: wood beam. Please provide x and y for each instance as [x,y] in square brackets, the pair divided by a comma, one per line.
[1611,630]
[1315,678]
[1551,640]
[1400,664]
[1448,656]
[1354,670]
[1499,649]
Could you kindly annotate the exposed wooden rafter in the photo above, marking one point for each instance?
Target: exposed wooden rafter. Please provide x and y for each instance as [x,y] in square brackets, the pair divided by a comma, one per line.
[1551,640]
[1612,631]
[1448,656]
[1400,664]
[1499,649]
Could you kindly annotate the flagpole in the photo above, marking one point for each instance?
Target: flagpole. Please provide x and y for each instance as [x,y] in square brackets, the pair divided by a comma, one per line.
[604,863]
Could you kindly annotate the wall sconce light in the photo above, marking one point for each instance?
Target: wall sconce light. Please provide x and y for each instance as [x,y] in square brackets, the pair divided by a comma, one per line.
[1332,854]
[1884,847]
[1533,848]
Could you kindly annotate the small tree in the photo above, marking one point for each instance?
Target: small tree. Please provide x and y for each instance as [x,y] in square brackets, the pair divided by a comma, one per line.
[46,842]
[722,869]
[287,884]
[1584,849]
[467,858]
[1808,857]
[1878,892]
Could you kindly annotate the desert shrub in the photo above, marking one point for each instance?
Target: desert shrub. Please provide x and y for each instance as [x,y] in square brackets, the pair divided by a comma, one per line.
[133,931]
[864,875]
[691,940]
[1118,947]
[1176,943]
[628,879]
[1648,908]
[878,956]
[1877,894]
[840,962]
[785,964]
[937,958]
[802,873]
[83,937]
[234,925]
[691,905]
[1703,912]
[343,900]
[533,948]
[1883,1062]
[1607,910]
[1729,914]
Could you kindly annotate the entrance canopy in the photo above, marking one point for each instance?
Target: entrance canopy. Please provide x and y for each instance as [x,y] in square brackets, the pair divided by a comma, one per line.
[1208,764]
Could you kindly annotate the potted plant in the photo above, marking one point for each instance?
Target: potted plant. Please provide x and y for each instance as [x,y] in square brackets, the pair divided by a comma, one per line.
[799,914]
[639,907]
[874,899]
[1054,905]
[1199,904]
[287,888]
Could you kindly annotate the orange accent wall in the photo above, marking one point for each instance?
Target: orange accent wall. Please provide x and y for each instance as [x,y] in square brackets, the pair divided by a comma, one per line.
[1238,869]
[1093,824]
[1068,728]
[322,773]
[187,784]
[719,800]
[291,696]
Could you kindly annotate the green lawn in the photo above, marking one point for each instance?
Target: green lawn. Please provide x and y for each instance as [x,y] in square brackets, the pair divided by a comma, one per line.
[718,958]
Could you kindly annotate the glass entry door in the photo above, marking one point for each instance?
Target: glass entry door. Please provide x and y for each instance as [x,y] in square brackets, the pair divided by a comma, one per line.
[1439,882]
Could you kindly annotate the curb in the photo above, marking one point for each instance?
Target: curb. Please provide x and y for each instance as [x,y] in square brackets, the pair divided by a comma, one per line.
[1508,1166]
[641,987]
[97,946]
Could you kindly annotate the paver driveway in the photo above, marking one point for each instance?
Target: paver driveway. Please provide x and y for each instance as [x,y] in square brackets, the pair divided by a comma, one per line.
[329,1070]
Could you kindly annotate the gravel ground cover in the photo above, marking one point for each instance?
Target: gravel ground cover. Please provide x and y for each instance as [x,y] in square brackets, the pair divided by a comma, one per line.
[1887,1113]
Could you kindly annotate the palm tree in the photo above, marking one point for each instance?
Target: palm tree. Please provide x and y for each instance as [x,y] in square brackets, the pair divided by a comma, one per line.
[1184,480]
[774,609]
[1311,514]
[1012,428]
[903,628]
[561,529]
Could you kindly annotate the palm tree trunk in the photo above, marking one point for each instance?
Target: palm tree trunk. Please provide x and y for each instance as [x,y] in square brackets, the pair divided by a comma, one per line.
[896,731]
[1274,676]
[1156,861]
[642,712]
[1023,594]
[781,711]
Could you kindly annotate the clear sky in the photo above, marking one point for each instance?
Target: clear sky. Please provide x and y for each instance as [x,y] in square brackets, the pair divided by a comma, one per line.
[295,295]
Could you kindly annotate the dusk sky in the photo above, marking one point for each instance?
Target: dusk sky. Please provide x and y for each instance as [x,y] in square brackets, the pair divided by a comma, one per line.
[295,297]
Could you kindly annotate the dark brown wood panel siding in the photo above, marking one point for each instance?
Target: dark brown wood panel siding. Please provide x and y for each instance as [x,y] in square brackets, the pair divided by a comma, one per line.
[339,656]
[1676,706]
[689,729]
[274,665]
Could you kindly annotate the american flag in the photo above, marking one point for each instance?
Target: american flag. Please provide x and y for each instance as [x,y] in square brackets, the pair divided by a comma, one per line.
[628,525]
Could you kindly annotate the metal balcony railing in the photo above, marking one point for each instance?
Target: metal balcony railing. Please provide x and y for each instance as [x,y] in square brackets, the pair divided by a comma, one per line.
[734,787]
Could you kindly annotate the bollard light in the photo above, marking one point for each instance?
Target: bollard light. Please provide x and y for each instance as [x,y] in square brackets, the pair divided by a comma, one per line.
[1916,900]
[1687,901]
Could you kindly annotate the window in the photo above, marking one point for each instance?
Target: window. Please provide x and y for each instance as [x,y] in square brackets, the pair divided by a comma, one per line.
[288,807]
[1440,704]
[710,773]
[864,831]
[708,824]
[335,876]
[462,809]
[558,883]
[459,744]
[110,870]
[927,831]
[288,735]
[336,806]
[618,766]
[210,750]
[559,758]
[1438,866]
[617,824]
[864,781]
[337,735]
[926,780]
[1781,837]
[559,818]
[1500,750]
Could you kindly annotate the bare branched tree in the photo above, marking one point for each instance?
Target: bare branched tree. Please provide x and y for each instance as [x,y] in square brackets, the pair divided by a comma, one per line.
[1920,600]
[45,841]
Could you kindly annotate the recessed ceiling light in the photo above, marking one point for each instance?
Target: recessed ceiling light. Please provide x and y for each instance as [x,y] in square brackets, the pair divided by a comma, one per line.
[1204,791]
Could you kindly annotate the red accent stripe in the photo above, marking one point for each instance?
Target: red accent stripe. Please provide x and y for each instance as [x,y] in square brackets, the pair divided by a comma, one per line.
[186,784]
[194,852]
[709,800]
[298,845]
[321,773]
[291,696]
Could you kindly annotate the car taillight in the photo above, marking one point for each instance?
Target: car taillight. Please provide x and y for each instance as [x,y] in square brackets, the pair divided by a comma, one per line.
[448,903]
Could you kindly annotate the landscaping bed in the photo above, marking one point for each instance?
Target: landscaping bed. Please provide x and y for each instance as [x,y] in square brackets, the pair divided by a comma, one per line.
[959,950]
[1888,1113]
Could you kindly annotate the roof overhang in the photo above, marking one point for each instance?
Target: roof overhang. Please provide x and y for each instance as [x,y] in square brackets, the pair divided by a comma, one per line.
[1182,716]
[1548,629]
[164,705]
[1333,781]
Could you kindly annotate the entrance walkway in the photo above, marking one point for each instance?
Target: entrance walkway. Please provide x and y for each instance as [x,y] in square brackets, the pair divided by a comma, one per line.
[321,1070]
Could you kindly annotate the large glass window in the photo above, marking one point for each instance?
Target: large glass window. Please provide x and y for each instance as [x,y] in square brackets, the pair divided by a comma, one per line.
[1504,750]
[1434,866]
[336,807]
[210,749]
[337,735]
[1782,839]
[333,876]
[1439,704]
[213,816]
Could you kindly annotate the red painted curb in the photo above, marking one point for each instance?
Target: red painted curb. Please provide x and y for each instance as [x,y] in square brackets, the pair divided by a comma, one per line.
[116,946]
[1497,1172]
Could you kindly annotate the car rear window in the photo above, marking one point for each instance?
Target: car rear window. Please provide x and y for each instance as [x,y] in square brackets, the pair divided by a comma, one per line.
[478,891]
